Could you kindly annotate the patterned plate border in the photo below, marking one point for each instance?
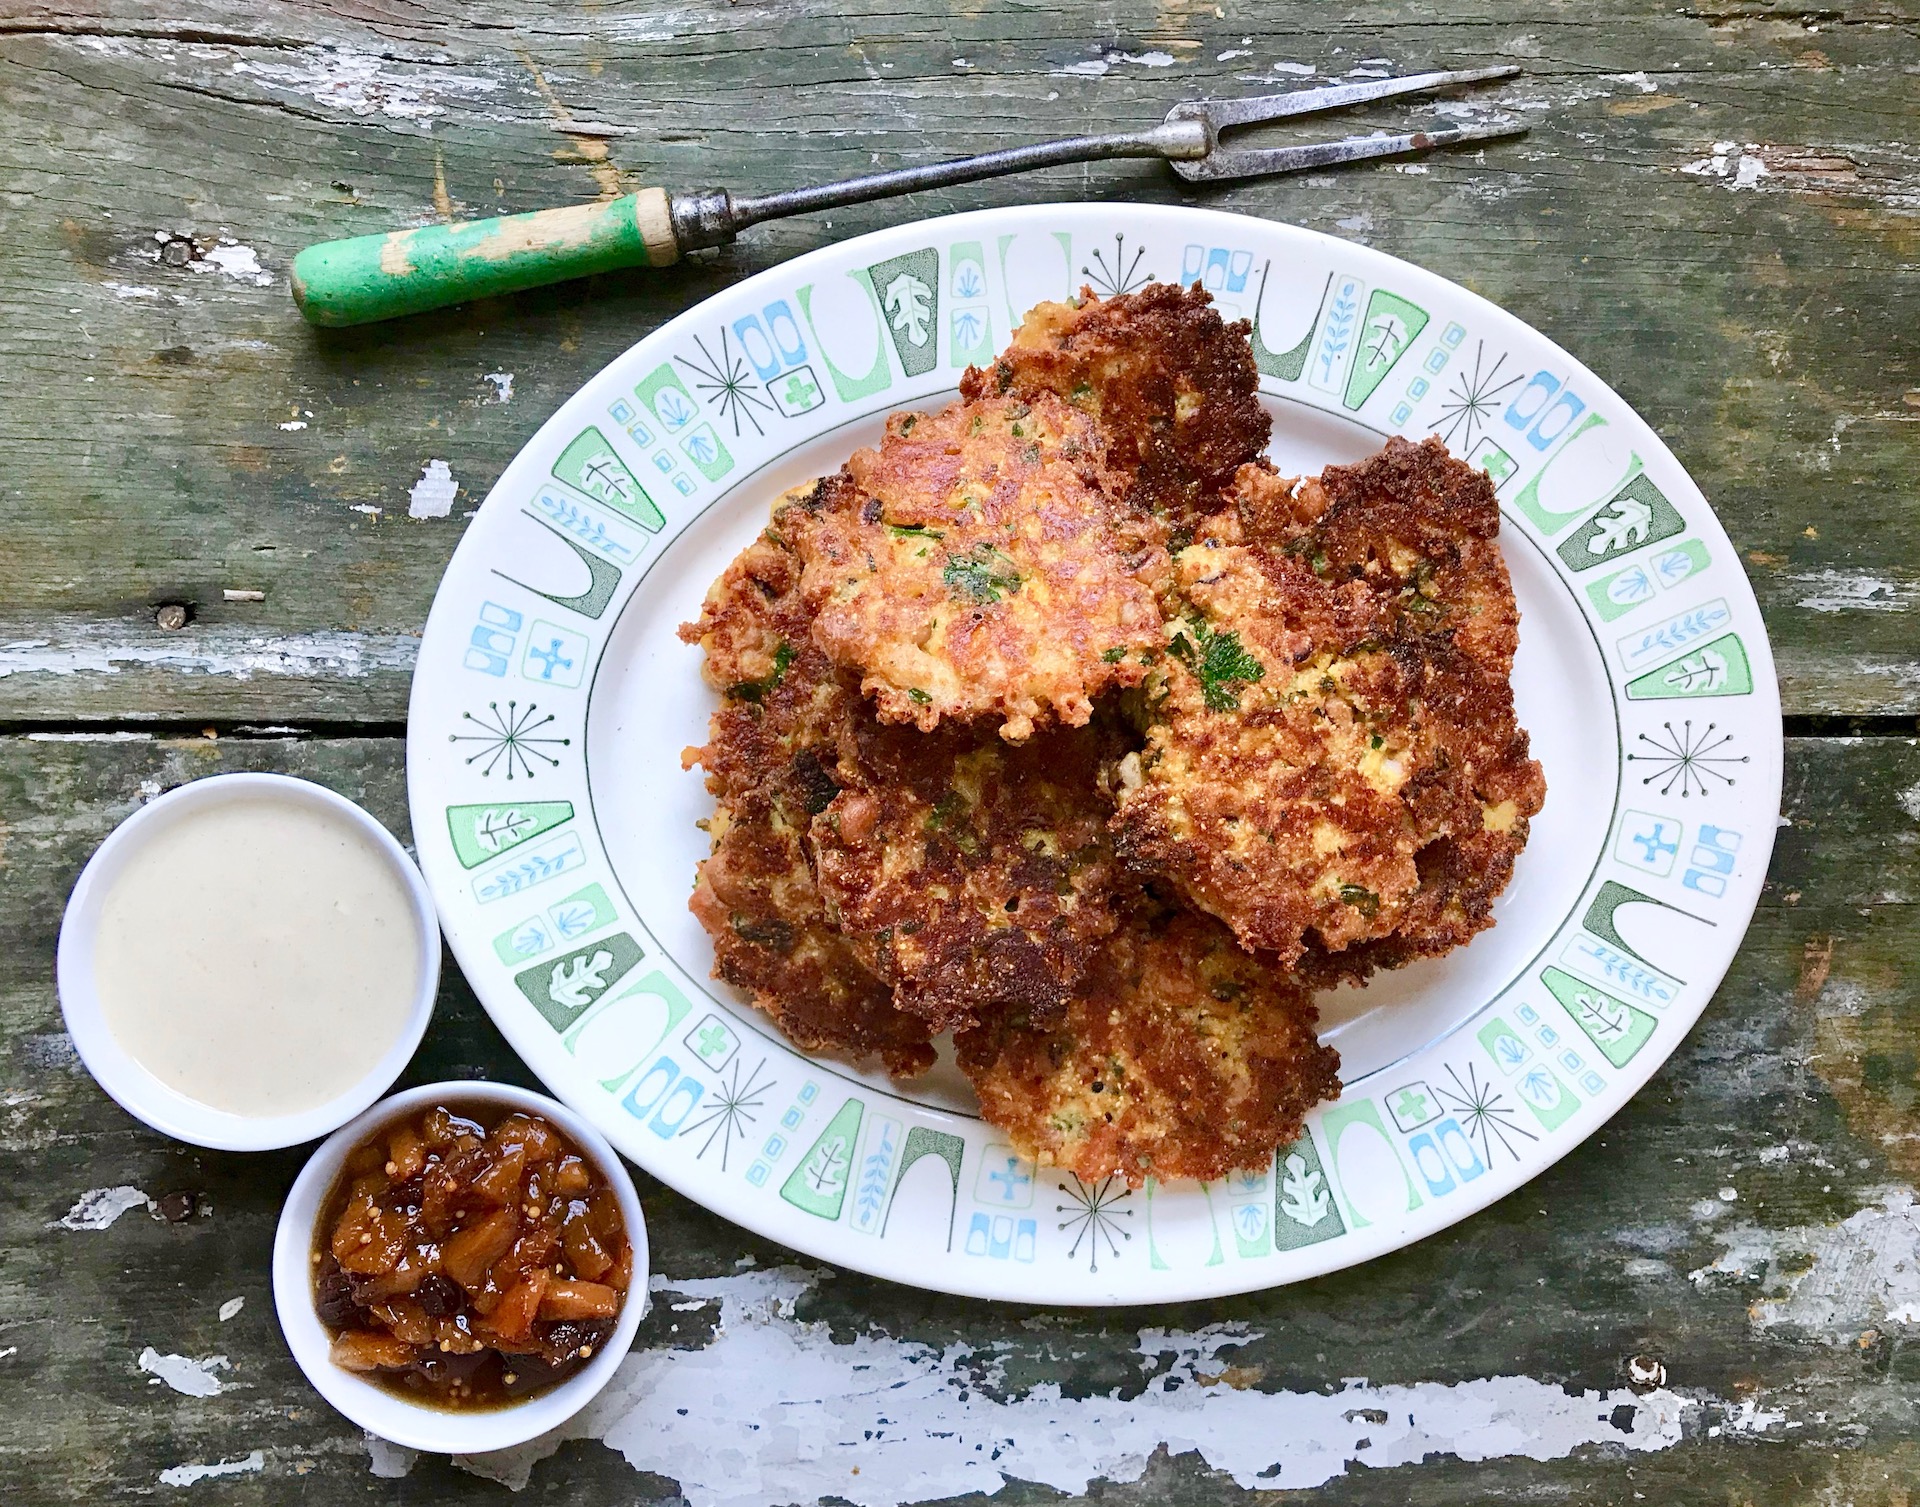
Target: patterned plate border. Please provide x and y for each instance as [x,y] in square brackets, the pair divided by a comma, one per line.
[689,1084]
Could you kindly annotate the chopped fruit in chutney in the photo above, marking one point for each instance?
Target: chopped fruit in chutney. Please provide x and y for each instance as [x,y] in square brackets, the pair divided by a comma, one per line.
[469,1257]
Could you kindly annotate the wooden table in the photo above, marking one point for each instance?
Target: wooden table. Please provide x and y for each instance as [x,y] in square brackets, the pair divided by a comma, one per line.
[1718,209]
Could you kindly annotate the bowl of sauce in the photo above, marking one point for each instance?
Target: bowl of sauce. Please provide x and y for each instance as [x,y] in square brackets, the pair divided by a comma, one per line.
[248,962]
[461,1268]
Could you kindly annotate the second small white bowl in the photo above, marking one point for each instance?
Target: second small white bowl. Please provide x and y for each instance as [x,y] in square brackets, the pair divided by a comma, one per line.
[373,1407]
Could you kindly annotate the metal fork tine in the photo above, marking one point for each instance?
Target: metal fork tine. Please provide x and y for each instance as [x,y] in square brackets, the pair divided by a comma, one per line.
[1226,114]
[1252,162]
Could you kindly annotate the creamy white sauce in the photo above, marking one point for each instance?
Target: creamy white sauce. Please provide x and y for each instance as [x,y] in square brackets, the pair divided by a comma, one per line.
[258,956]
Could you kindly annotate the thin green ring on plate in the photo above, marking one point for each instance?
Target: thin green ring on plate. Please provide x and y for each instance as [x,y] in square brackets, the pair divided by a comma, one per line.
[555,823]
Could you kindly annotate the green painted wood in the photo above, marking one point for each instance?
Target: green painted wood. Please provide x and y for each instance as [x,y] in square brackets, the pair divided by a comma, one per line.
[368,278]
[1798,1091]
[1751,303]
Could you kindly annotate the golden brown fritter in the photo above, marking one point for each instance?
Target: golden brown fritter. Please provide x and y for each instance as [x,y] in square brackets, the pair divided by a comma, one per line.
[1182,1056]
[971,873]
[975,564]
[770,749]
[1419,527]
[756,897]
[1172,386]
[1332,757]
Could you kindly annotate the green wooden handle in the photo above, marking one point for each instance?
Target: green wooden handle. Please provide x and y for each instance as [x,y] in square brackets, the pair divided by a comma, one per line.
[407,271]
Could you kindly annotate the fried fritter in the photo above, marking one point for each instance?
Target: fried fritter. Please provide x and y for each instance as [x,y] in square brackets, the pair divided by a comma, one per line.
[976,564]
[1333,758]
[1181,1056]
[770,750]
[1173,387]
[756,897]
[971,873]
[1419,527]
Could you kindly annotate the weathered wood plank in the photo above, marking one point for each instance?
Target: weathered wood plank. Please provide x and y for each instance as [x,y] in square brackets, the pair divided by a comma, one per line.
[1797,1094]
[1746,299]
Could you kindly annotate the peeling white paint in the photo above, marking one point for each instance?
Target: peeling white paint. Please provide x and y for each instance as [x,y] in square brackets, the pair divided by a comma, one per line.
[1909,800]
[187,1376]
[1231,53]
[502,386]
[241,263]
[388,1460]
[116,736]
[365,85]
[1099,67]
[1639,81]
[774,1409]
[433,494]
[1734,165]
[130,290]
[231,1308]
[1853,591]
[99,650]
[1297,70]
[1829,1281]
[190,1475]
[98,1208]
[292,424]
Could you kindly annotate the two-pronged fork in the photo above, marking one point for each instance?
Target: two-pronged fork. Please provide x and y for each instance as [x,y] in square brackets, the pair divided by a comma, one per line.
[407,271]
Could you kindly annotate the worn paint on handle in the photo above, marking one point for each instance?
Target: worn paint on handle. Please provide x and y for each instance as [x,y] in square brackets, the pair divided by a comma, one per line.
[375,277]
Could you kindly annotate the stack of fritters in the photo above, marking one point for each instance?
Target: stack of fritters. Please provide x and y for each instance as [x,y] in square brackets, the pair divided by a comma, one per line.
[993,760]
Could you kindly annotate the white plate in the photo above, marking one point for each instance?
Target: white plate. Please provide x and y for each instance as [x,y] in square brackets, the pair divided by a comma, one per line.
[556,825]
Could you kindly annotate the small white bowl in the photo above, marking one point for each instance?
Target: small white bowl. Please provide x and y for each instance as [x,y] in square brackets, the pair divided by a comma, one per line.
[123,1076]
[394,1417]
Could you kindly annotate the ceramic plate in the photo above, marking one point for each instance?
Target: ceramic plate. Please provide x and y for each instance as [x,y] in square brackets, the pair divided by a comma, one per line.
[557,826]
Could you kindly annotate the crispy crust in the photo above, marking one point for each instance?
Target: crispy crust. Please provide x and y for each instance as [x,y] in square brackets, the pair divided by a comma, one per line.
[972,874]
[769,758]
[1419,527]
[975,565]
[1333,758]
[1182,1057]
[1173,387]
[755,896]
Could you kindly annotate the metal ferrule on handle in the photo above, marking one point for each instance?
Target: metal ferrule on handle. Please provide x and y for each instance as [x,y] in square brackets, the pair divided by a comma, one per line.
[375,277]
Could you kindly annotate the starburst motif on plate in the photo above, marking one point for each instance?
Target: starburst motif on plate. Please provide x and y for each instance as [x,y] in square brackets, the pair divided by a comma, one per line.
[1486,1112]
[727,384]
[1094,1216]
[1119,276]
[1691,761]
[512,738]
[730,1109]
[1472,398]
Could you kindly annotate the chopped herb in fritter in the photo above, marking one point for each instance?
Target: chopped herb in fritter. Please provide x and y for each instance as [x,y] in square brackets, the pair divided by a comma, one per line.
[1360,898]
[756,690]
[1222,663]
[982,576]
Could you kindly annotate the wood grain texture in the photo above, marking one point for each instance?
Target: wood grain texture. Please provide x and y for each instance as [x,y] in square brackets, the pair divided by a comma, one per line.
[1718,210]
[1796,1091]
[1714,211]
